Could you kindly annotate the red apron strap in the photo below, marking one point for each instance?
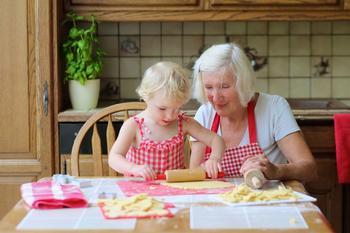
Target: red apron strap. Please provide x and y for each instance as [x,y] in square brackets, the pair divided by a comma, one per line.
[251,122]
[214,128]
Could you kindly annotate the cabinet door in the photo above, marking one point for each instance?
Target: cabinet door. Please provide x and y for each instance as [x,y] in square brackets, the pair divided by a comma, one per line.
[25,140]
[149,5]
[274,4]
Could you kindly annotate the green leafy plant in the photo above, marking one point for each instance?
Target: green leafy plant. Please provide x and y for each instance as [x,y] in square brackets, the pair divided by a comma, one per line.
[83,58]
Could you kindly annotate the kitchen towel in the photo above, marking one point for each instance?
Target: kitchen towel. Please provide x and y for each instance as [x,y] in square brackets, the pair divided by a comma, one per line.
[50,195]
[342,145]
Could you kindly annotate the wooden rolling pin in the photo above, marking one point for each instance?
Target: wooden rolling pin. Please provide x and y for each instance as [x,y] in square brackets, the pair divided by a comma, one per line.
[254,178]
[182,175]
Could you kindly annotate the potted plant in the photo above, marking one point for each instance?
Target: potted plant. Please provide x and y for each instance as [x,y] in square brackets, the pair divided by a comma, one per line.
[83,63]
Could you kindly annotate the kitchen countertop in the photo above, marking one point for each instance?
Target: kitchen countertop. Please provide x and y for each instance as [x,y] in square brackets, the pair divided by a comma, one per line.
[303,109]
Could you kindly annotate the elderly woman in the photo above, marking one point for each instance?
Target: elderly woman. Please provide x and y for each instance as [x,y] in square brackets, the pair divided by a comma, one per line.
[259,129]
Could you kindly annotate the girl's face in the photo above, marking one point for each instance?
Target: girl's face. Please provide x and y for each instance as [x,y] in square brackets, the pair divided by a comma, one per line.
[162,109]
[219,87]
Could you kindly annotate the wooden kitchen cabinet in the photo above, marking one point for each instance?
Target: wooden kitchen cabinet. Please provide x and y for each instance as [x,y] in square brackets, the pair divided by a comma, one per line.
[319,135]
[26,140]
[211,10]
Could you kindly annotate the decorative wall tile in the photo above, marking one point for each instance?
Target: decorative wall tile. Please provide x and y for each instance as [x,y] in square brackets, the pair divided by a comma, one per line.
[299,87]
[341,45]
[300,66]
[259,43]
[236,28]
[320,67]
[278,28]
[171,28]
[214,28]
[192,45]
[129,46]
[107,28]
[129,28]
[193,28]
[130,67]
[109,89]
[300,45]
[241,40]
[257,28]
[321,88]
[150,46]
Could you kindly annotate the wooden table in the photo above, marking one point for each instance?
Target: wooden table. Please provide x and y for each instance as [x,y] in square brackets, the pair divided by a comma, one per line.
[179,223]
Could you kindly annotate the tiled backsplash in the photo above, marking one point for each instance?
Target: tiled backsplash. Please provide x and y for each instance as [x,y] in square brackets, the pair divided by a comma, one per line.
[304,59]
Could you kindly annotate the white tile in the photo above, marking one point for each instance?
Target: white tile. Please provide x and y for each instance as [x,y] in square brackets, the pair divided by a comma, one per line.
[192,45]
[278,67]
[279,86]
[109,45]
[214,28]
[262,73]
[341,45]
[321,45]
[300,45]
[300,87]
[300,66]
[236,28]
[259,43]
[150,45]
[172,28]
[150,28]
[278,45]
[340,66]
[257,28]
[241,40]
[129,88]
[129,28]
[340,87]
[322,27]
[278,28]
[107,28]
[177,60]
[129,46]
[171,46]
[110,67]
[321,87]
[321,67]
[130,67]
[261,85]
[193,28]
[341,27]
[300,28]
[211,40]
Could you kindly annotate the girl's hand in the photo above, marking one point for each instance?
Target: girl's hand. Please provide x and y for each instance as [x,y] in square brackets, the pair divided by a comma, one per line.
[212,167]
[262,163]
[144,171]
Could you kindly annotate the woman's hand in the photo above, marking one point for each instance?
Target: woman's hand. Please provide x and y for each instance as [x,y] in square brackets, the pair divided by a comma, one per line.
[144,171]
[262,163]
[212,167]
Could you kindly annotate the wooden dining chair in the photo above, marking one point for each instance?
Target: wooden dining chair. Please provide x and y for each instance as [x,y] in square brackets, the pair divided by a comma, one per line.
[117,112]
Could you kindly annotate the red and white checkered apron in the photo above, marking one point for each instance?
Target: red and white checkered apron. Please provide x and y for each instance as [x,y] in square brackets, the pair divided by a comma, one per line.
[161,156]
[232,159]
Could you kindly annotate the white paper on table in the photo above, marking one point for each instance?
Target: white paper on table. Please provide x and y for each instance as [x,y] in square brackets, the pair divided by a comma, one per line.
[67,219]
[248,217]
[302,198]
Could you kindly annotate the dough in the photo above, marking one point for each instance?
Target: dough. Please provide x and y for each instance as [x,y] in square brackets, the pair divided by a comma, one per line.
[207,184]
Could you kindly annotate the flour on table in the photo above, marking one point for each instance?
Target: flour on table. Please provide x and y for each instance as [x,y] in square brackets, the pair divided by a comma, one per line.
[207,184]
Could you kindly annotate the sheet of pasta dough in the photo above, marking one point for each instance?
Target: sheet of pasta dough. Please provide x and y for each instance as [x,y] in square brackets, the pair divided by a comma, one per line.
[206,184]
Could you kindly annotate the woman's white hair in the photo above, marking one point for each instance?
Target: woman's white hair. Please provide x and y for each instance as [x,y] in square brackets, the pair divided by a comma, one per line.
[168,77]
[231,58]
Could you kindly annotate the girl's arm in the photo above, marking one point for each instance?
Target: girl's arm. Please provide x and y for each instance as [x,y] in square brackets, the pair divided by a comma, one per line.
[209,138]
[116,159]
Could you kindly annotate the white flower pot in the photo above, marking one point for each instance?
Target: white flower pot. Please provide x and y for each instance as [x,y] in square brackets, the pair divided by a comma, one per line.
[84,97]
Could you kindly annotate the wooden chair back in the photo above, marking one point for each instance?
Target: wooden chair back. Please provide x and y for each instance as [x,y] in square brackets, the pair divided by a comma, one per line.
[117,112]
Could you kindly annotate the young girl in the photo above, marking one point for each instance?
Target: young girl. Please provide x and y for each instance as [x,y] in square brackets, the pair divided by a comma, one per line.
[153,141]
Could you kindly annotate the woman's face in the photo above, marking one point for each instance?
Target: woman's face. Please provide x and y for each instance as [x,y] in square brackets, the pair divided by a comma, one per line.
[220,90]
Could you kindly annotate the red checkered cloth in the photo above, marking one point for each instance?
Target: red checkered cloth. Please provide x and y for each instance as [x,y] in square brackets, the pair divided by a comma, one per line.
[342,146]
[49,195]
[161,156]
